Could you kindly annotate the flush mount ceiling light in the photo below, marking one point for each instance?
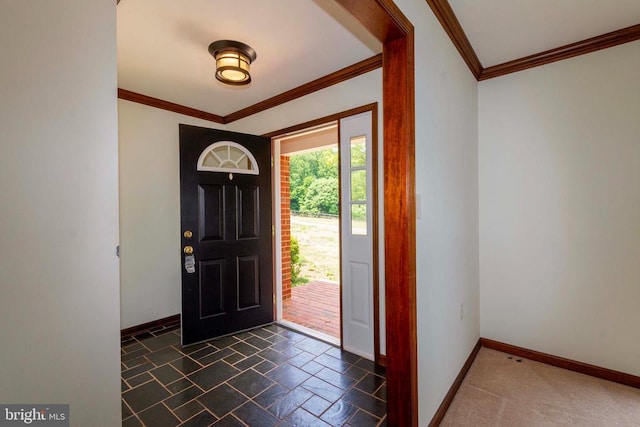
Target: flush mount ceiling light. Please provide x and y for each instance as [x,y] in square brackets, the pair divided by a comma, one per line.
[233,60]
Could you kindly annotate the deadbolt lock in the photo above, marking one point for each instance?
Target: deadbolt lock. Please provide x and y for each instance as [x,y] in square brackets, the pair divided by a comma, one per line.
[188,250]
[188,234]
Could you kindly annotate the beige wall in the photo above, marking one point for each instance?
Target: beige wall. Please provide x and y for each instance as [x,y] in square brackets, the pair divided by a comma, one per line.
[59,293]
[560,208]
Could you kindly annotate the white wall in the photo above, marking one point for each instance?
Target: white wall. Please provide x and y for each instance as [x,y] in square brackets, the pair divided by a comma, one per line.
[560,208]
[59,291]
[150,275]
[447,232]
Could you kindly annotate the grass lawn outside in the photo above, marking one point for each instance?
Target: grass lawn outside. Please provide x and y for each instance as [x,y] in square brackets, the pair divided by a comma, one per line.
[319,247]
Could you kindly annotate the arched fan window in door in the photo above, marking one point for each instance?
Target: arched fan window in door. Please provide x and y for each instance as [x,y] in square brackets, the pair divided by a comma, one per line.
[228,157]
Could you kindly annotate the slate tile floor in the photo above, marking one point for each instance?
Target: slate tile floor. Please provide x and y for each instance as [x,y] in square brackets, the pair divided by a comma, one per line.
[270,376]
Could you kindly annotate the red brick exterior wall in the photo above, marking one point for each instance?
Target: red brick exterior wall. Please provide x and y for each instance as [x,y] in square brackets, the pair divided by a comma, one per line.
[285,198]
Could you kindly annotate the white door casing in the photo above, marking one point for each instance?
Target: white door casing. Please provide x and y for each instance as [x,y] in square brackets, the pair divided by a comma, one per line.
[356,173]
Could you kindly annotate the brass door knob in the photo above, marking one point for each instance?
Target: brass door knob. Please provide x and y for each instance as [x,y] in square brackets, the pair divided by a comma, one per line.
[188,234]
[188,250]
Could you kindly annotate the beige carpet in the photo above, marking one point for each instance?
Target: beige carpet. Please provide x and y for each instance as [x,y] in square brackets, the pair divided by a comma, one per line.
[503,390]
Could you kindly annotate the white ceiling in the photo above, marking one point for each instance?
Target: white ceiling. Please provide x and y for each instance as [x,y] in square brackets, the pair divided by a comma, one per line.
[503,30]
[162,47]
[162,44]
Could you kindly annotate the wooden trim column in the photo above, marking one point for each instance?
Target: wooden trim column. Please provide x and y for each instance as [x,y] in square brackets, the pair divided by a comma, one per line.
[386,22]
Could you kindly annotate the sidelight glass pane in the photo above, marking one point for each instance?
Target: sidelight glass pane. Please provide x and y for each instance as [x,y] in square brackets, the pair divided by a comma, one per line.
[358,151]
[359,219]
[359,185]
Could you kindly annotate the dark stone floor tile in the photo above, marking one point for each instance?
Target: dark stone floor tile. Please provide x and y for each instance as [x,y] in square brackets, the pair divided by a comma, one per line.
[134,354]
[215,356]
[370,383]
[332,362]
[229,421]
[275,328]
[367,402]
[233,358]
[273,356]
[248,362]
[323,389]
[224,342]
[193,348]
[126,411]
[132,422]
[312,367]
[290,402]
[156,343]
[222,400]
[137,370]
[179,385]
[158,416]
[123,386]
[183,397]
[339,413]
[345,356]
[244,348]
[243,335]
[203,352]
[139,379]
[188,410]
[371,367]
[295,336]
[253,415]
[313,346]
[276,338]
[166,374]
[382,393]
[289,376]
[335,378]
[265,367]
[270,395]
[164,355]
[204,418]
[292,351]
[250,383]
[300,417]
[213,375]
[316,405]
[131,345]
[134,362]
[356,373]
[262,332]
[186,365]
[363,419]
[301,359]
[144,396]
[257,342]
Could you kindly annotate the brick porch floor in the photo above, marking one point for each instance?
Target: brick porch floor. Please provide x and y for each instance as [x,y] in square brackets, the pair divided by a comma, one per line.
[315,305]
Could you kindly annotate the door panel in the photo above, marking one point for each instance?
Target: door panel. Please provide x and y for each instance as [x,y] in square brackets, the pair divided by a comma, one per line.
[356,175]
[230,287]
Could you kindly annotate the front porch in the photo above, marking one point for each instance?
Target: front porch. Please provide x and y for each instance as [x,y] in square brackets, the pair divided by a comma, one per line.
[315,305]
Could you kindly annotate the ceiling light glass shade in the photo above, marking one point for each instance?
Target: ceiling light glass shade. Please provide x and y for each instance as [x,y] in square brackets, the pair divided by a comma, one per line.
[233,61]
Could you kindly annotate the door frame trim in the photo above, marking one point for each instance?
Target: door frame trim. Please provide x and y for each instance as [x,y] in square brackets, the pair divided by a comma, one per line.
[375,220]
[388,24]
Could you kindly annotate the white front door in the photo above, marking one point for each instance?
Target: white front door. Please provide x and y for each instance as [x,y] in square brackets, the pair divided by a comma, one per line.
[356,174]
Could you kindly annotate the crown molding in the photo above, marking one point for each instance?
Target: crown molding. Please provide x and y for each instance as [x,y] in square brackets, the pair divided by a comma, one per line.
[334,78]
[582,47]
[168,106]
[442,10]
